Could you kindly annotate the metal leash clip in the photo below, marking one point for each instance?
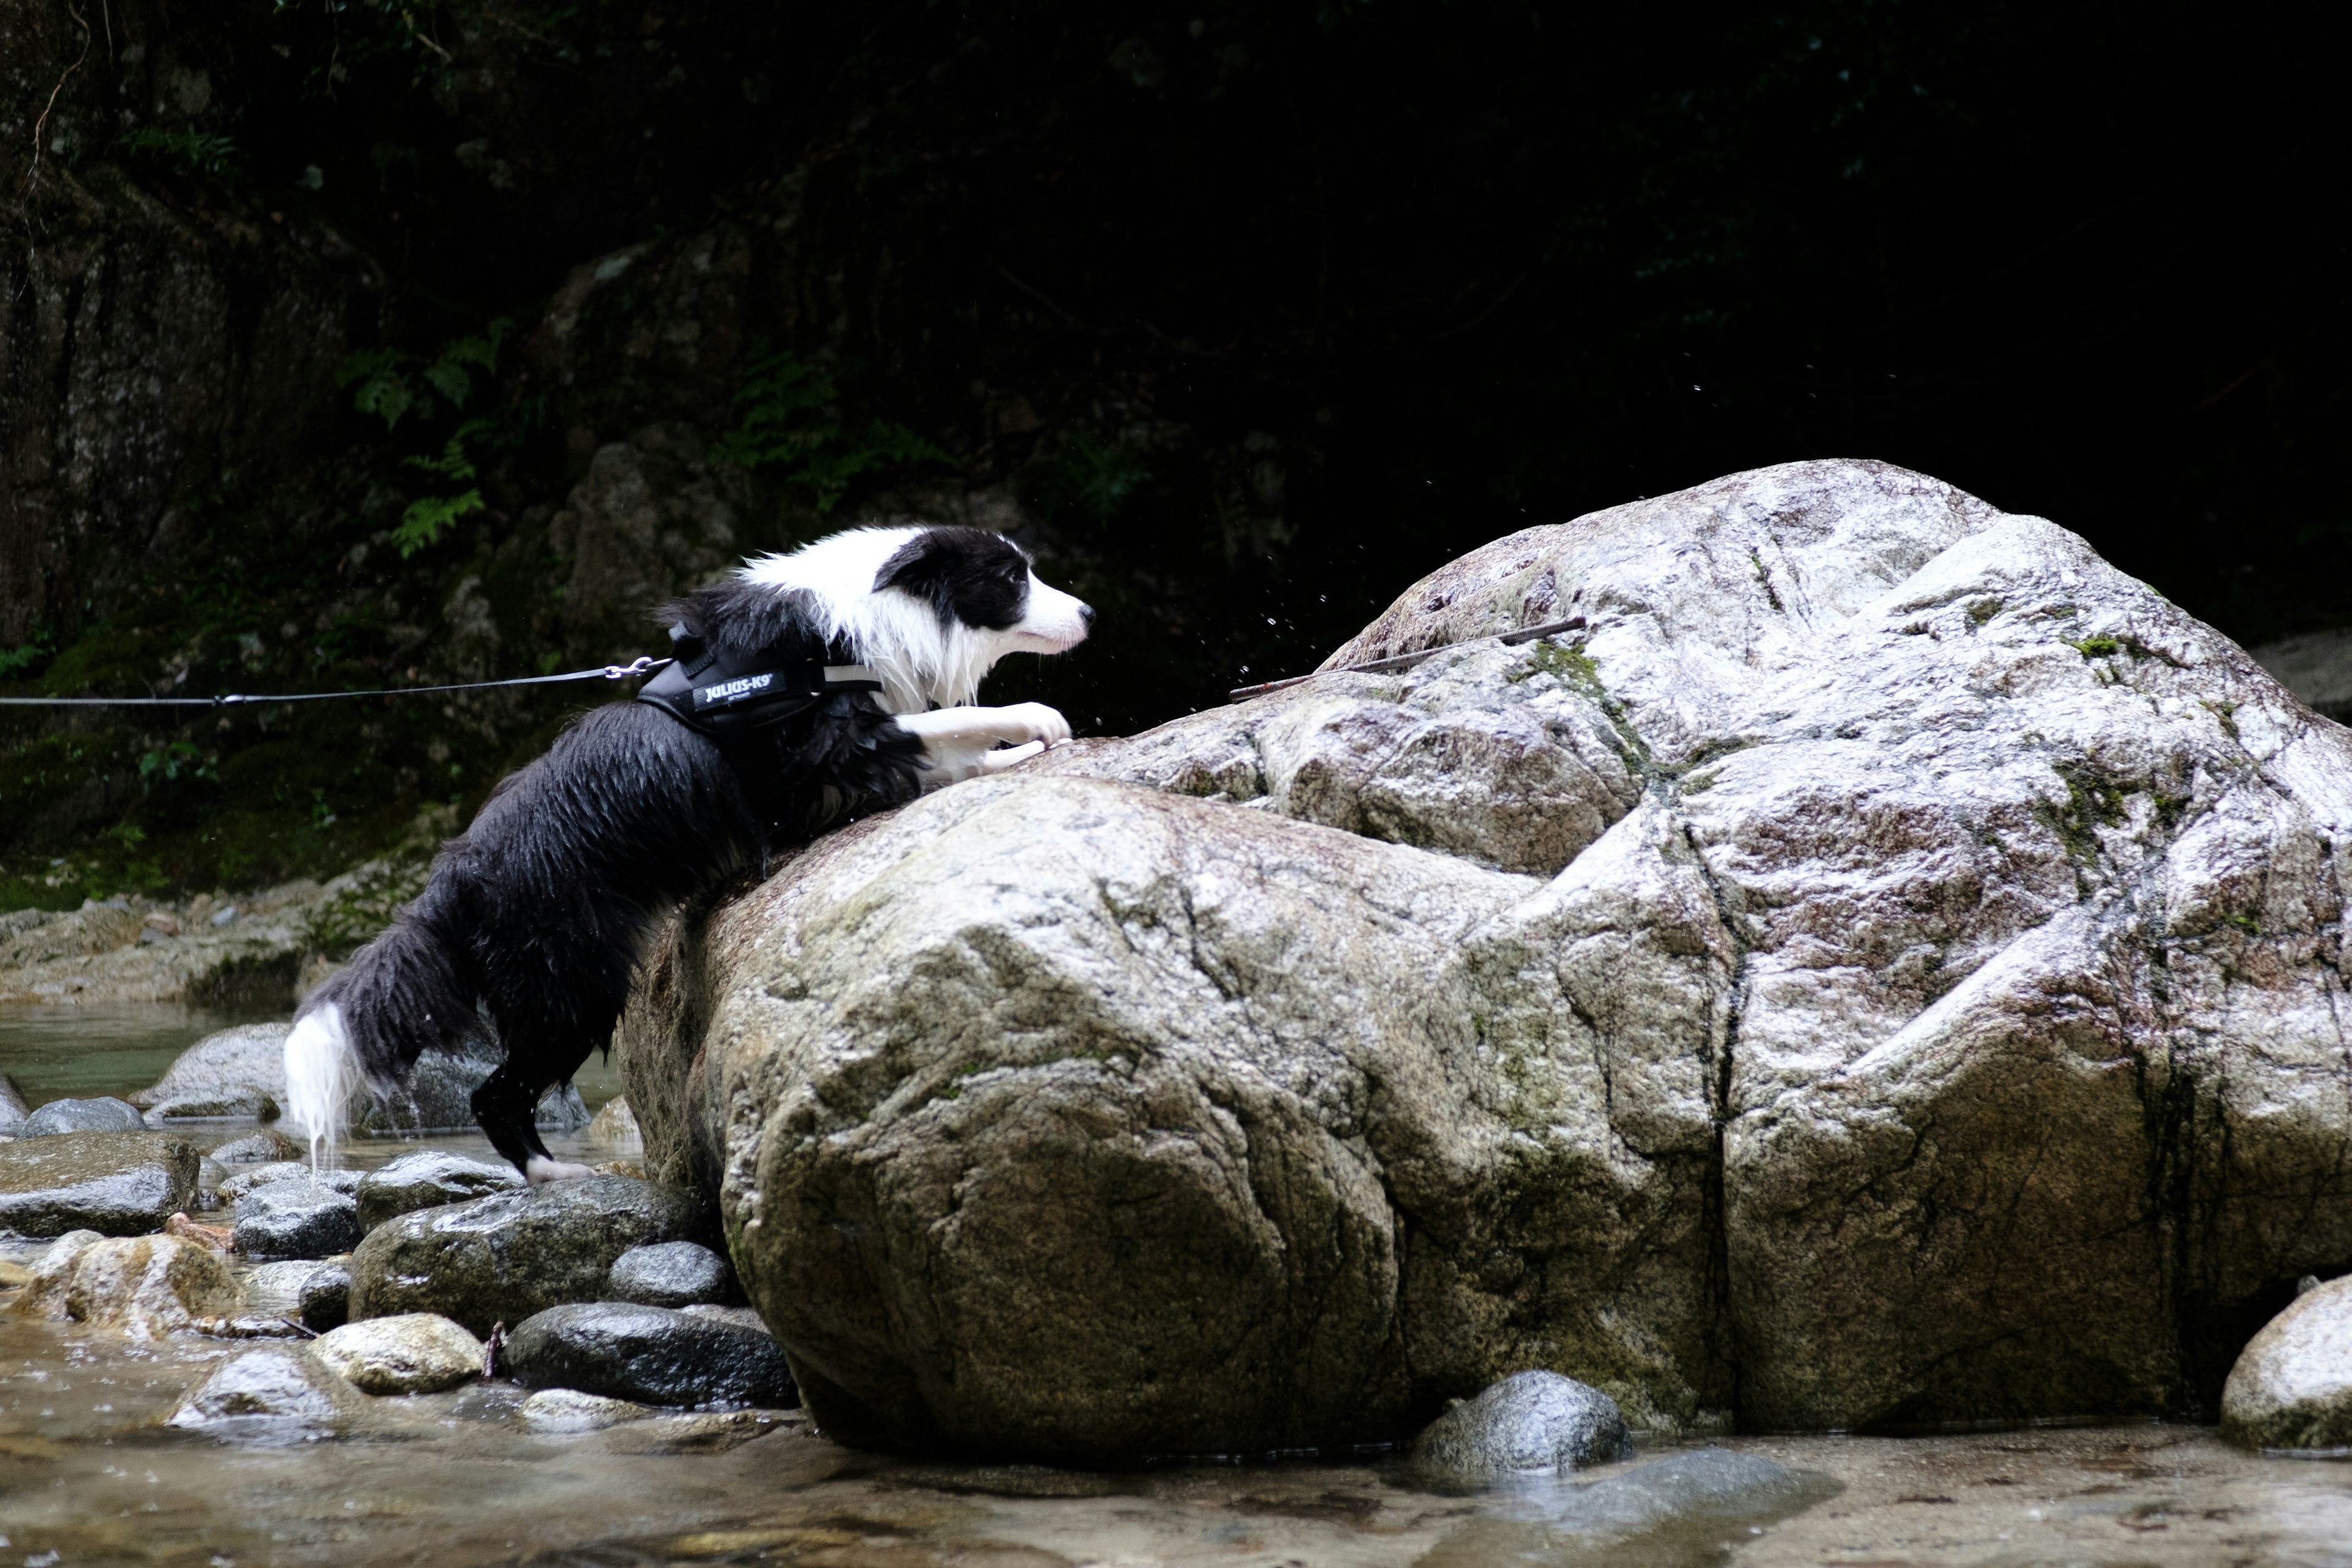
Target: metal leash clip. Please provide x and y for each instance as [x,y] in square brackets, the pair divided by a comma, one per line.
[643,664]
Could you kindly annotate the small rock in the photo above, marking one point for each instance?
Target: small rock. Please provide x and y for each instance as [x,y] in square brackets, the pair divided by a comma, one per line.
[295,1219]
[673,1274]
[616,1123]
[2292,1388]
[327,1299]
[569,1410]
[506,1257]
[239,1072]
[415,1353]
[1532,1421]
[279,1395]
[741,1317]
[119,1184]
[255,1148]
[1714,1485]
[147,1286]
[101,1115]
[237,1186]
[650,1355]
[428,1180]
[275,1288]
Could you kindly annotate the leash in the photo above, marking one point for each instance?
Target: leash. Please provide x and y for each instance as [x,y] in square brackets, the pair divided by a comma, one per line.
[643,665]
[1407,660]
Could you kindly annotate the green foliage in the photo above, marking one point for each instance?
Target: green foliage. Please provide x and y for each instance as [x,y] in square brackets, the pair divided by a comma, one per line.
[29,655]
[190,149]
[390,382]
[792,420]
[1090,477]
[174,760]
[427,520]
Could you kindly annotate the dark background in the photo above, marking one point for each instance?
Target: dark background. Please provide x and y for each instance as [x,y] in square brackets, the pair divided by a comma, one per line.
[1242,317]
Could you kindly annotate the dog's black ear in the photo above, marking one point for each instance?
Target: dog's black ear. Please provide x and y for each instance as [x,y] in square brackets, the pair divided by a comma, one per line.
[966,575]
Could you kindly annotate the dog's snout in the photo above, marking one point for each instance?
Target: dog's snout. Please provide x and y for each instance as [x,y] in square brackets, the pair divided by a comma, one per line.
[1085,615]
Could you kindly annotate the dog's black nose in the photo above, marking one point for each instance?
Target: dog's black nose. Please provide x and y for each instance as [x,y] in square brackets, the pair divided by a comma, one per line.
[1086,615]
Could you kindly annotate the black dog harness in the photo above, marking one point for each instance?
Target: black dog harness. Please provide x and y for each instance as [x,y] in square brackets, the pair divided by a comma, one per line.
[732,704]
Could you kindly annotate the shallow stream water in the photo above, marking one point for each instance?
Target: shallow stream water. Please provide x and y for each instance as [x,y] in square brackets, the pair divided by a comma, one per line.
[89,1474]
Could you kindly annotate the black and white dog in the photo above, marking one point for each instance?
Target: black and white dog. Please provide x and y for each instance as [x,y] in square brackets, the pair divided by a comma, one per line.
[811,688]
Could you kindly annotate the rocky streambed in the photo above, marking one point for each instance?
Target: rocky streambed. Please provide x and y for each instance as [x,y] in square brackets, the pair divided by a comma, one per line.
[1870,968]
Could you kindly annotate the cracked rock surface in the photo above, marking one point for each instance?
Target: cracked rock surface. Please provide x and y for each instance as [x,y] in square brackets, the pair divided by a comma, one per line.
[1884,969]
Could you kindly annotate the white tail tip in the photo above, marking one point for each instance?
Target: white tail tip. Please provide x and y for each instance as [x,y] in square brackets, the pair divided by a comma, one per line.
[323,1079]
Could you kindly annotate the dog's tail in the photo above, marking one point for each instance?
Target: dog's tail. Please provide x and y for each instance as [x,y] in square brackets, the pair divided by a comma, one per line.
[407,992]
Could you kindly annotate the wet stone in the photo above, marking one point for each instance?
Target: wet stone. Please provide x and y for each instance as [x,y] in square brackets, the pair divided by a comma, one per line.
[1530,1422]
[506,1257]
[276,1288]
[326,1299]
[295,1219]
[273,1396]
[239,1072]
[13,1109]
[63,1116]
[673,1274]
[258,1148]
[650,1355]
[146,1287]
[415,1353]
[1703,1484]
[118,1183]
[2292,1386]
[262,1175]
[428,1180]
[741,1317]
[569,1410]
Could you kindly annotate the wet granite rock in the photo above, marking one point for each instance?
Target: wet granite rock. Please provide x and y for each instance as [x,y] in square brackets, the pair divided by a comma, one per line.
[276,1290]
[120,1183]
[146,1285]
[428,1180]
[673,1274]
[269,1146]
[1666,1498]
[326,1300]
[59,1117]
[239,1072]
[253,1177]
[299,1218]
[276,1394]
[741,1317]
[1534,1421]
[414,1352]
[13,1109]
[564,1410]
[616,1123]
[1883,969]
[649,1355]
[2292,1388]
[503,1257]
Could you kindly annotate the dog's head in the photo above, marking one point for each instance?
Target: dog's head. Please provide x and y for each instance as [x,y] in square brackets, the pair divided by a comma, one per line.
[981,583]
[929,608]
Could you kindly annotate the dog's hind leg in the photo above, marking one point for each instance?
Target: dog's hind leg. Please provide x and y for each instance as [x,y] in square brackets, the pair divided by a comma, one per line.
[507,1106]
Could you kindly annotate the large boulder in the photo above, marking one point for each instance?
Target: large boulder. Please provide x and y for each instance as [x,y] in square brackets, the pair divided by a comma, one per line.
[1882,968]
[119,1184]
[1537,1421]
[501,1259]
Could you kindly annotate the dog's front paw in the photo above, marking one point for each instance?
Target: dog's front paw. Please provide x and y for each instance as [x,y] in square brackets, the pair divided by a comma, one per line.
[1031,722]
